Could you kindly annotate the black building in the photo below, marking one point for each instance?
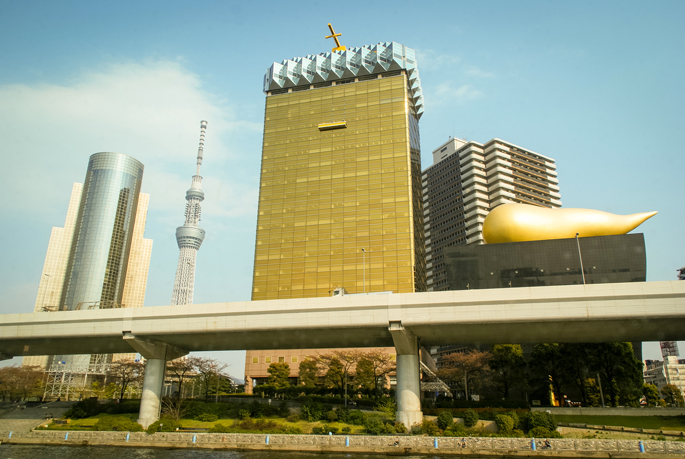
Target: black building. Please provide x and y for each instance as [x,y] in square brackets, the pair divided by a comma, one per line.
[606,259]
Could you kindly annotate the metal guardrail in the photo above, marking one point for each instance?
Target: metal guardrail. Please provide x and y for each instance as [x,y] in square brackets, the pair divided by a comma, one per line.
[341,442]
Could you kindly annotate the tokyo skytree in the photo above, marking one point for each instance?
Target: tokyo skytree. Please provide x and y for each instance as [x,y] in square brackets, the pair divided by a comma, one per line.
[190,236]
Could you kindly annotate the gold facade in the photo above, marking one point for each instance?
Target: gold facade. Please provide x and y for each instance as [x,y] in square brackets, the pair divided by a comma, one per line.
[326,194]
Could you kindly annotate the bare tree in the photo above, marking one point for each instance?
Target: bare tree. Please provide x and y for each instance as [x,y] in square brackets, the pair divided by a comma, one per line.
[173,407]
[466,370]
[179,369]
[383,364]
[126,373]
[208,370]
[20,382]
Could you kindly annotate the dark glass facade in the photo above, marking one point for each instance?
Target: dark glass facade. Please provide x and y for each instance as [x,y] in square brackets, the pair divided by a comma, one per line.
[606,259]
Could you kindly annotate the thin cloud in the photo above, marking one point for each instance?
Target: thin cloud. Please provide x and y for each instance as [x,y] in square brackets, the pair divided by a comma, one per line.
[430,60]
[452,93]
[149,110]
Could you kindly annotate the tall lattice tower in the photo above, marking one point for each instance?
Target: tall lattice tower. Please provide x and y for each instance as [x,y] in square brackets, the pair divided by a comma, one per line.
[190,236]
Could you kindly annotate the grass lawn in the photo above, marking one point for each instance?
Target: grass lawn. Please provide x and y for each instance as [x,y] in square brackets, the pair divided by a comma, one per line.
[644,422]
[306,427]
[83,424]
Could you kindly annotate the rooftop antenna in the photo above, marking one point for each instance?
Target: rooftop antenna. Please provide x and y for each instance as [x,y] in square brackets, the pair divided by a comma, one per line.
[335,36]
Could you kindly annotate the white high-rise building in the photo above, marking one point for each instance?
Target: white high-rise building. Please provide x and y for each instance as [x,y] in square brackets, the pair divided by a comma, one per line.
[466,181]
[190,236]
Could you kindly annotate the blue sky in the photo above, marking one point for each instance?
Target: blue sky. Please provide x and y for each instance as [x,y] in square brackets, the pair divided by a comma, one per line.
[595,85]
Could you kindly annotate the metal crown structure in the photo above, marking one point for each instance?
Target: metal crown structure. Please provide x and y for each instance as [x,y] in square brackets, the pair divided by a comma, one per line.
[190,236]
[343,65]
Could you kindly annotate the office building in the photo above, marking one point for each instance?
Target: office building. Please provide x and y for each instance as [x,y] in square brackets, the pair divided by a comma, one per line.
[669,371]
[99,259]
[340,194]
[466,181]
[189,237]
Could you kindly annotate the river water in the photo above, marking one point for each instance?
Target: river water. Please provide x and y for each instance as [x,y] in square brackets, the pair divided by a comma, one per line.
[111,452]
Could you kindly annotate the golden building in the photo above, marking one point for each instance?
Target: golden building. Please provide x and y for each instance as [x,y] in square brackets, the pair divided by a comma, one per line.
[340,195]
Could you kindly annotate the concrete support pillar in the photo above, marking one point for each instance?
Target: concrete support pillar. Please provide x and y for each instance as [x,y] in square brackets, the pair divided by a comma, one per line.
[151,400]
[408,376]
[156,354]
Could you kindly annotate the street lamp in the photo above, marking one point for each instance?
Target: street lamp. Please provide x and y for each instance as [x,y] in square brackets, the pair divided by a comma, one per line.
[364,267]
[582,271]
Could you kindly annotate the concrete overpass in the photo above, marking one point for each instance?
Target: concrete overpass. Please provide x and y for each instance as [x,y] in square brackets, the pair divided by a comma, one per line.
[644,311]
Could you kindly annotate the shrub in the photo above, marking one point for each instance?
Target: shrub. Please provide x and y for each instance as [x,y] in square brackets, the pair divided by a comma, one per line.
[293,418]
[515,417]
[331,429]
[283,410]
[445,420]
[373,425]
[206,417]
[539,432]
[346,430]
[312,411]
[386,405]
[504,423]
[85,409]
[356,417]
[400,428]
[220,428]
[517,433]
[429,428]
[470,418]
[416,429]
[127,406]
[318,430]
[331,416]
[164,424]
[343,414]
[458,430]
[118,423]
[540,419]
[243,414]
[291,430]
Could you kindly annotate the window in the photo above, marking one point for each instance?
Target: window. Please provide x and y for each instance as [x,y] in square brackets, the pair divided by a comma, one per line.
[293,359]
[281,360]
[255,359]
[267,359]
[393,357]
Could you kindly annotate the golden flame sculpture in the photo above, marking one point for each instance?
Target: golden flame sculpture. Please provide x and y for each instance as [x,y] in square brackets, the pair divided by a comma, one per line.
[522,222]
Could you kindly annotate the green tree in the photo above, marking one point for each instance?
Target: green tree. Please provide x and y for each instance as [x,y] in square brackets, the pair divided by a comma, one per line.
[509,367]
[651,394]
[279,372]
[575,370]
[620,371]
[672,395]
[308,373]
[365,377]
[335,376]
[546,366]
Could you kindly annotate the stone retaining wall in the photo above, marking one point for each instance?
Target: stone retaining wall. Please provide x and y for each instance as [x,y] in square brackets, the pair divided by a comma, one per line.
[622,411]
[352,443]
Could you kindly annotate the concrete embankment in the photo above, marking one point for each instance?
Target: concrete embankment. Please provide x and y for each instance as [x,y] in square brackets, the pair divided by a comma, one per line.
[419,445]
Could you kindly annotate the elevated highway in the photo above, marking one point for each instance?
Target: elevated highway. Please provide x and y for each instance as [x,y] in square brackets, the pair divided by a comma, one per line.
[640,311]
